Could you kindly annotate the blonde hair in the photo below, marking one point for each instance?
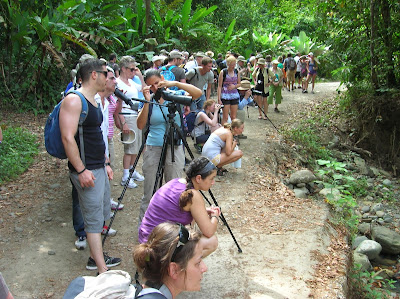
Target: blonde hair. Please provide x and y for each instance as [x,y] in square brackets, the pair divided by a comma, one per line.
[230,59]
[236,123]
[208,103]
[126,60]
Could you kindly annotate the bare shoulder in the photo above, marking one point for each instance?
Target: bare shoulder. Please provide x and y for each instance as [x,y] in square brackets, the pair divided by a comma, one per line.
[71,103]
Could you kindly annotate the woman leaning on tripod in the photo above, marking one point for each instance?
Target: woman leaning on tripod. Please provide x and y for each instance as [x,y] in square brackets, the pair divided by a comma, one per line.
[156,117]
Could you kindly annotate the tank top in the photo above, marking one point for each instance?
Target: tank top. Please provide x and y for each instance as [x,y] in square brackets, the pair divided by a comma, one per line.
[229,94]
[164,206]
[92,139]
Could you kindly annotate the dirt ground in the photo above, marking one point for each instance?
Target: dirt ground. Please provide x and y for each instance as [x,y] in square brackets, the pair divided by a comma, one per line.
[290,249]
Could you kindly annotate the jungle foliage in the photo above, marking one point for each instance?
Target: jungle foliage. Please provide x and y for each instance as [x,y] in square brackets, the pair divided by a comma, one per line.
[43,39]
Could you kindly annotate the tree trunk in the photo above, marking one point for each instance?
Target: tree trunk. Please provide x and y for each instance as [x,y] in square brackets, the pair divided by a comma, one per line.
[148,20]
[374,59]
[388,40]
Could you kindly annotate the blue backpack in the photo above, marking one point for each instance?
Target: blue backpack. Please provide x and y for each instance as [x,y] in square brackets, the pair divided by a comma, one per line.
[52,134]
[168,75]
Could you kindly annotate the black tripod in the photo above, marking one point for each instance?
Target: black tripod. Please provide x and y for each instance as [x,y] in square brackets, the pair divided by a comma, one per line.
[257,92]
[172,136]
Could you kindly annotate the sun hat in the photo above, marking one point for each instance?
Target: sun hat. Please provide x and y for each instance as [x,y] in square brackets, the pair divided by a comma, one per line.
[164,52]
[275,61]
[252,58]
[176,54]
[128,138]
[259,56]
[199,54]
[311,54]
[245,85]
[241,58]
[261,61]
[155,58]
[210,54]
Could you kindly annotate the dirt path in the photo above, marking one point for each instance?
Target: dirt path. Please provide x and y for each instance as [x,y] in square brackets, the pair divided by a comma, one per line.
[282,237]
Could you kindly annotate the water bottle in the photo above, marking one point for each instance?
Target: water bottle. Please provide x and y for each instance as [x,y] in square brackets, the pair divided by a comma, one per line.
[237,163]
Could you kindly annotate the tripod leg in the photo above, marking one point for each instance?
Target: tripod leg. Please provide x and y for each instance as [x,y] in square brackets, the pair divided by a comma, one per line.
[221,217]
[179,131]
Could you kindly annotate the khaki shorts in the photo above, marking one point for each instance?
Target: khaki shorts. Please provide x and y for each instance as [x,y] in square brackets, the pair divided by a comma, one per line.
[133,148]
[290,75]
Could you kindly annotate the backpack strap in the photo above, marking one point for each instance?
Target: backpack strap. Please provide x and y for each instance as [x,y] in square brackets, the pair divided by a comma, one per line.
[82,118]
[171,67]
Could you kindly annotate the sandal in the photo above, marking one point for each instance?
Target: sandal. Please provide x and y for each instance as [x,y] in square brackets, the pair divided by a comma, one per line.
[259,117]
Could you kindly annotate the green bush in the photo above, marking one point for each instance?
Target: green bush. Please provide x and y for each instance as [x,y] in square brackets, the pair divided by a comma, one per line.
[16,152]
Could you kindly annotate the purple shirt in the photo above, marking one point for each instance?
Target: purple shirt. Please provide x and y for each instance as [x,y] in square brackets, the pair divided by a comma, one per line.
[164,206]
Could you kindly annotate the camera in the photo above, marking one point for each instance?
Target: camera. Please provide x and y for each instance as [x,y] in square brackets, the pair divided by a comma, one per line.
[173,96]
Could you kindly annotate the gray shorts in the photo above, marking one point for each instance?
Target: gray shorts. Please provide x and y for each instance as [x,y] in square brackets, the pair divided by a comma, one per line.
[94,201]
[133,148]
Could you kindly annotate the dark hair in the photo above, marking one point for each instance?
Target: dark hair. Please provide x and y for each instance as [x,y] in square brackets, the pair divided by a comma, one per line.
[153,257]
[88,66]
[150,73]
[289,55]
[194,169]
[112,56]
[206,60]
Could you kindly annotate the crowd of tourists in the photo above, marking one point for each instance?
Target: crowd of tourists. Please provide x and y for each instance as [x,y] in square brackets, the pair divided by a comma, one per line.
[135,97]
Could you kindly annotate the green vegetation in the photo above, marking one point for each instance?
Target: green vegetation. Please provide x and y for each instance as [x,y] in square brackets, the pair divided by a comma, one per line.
[16,152]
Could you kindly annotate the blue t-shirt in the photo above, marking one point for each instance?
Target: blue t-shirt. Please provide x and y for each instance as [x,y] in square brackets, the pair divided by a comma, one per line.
[158,124]
[136,79]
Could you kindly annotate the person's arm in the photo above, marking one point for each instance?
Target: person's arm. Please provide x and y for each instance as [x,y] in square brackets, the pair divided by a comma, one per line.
[193,91]
[254,76]
[139,74]
[70,111]
[144,112]
[208,92]
[122,123]
[207,223]
[219,90]
[210,122]
[230,143]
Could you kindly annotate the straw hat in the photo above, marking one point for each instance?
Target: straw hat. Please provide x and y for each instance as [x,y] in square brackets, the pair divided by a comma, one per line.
[155,58]
[275,62]
[261,61]
[245,85]
[128,138]
[210,54]
[241,58]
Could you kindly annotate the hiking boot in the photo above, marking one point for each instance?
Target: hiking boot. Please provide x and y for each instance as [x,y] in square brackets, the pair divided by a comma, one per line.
[81,243]
[112,232]
[137,176]
[131,184]
[110,262]
[114,205]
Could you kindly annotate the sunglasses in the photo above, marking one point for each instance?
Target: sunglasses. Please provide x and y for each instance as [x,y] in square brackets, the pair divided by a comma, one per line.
[102,72]
[132,69]
[184,237]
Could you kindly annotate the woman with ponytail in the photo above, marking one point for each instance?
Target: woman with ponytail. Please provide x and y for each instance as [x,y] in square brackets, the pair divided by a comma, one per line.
[171,261]
[180,201]
[220,146]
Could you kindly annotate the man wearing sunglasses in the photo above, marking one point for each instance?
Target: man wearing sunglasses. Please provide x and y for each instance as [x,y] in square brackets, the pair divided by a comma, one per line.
[90,171]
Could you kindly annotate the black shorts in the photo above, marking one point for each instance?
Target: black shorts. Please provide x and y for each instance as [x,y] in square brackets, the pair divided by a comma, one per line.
[260,89]
[230,102]
[297,75]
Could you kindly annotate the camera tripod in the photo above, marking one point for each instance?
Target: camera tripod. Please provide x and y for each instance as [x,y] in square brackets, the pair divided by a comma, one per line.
[173,132]
[257,92]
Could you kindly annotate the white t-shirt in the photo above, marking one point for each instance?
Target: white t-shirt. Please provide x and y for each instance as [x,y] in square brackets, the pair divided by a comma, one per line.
[132,93]
[297,59]
[105,123]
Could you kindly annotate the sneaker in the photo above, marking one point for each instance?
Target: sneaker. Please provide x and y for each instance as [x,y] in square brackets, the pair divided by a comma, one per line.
[112,232]
[312,91]
[81,243]
[114,205]
[131,184]
[137,176]
[111,214]
[276,110]
[110,262]
[299,86]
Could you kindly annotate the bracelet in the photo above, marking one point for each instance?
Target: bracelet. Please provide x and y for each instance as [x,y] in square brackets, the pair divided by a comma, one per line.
[82,171]
[215,217]
[108,164]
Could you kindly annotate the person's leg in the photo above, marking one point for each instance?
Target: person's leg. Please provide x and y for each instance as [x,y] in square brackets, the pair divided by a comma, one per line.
[265,105]
[225,113]
[271,94]
[77,219]
[258,100]
[306,83]
[201,101]
[112,152]
[233,111]
[151,158]
[96,251]
[313,82]
[174,169]
[209,245]
[225,159]
[278,97]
